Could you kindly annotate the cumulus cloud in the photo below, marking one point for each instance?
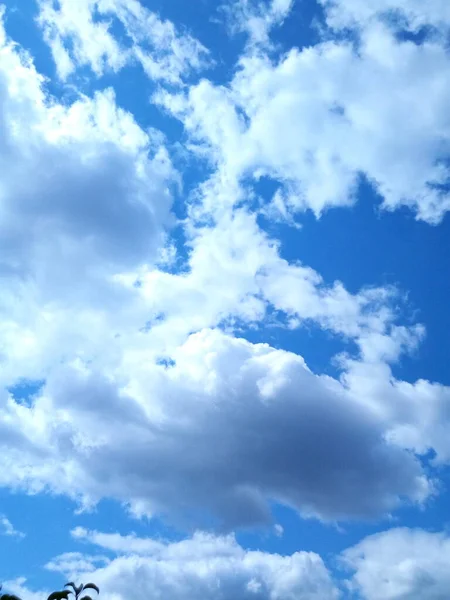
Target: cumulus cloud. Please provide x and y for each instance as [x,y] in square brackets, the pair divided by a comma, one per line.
[397,564]
[143,395]
[203,566]
[231,424]
[237,251]
[80,34]
[86,198]
[82,178]
[417,413]
[85,193]
[318,119]
[401,564]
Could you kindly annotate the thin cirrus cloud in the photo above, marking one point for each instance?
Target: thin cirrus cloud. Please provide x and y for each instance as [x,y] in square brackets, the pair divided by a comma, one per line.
[8,529]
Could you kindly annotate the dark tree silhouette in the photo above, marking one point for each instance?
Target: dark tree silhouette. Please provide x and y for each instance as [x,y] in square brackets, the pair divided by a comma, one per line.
[75,591]
[78,589]
[63,594]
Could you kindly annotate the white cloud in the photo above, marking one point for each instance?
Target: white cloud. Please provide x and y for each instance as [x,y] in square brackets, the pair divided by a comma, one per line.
[235,250]
[85,201]
[111,421]
[257,17]
[82,177]
[85,193]
[319,118]
[401,564]
[397,564]
[79,34]
[8,529]
[231,424]
[417,413]
[204,566]
[411,14]
[103,204]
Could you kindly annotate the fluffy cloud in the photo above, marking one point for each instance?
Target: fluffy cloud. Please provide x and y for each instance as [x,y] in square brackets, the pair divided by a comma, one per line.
[80,35]
[79,178]
[318,119]
[85,199]
[203,566]
[231,424]
[85,193]
[401,564]
[417,413]
[237,251]
[143,396]
[398,564]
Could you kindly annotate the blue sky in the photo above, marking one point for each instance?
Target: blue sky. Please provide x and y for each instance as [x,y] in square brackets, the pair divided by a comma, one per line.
[224,298]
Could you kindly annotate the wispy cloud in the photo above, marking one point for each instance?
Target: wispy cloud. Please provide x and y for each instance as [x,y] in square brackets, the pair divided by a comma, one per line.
[8,529]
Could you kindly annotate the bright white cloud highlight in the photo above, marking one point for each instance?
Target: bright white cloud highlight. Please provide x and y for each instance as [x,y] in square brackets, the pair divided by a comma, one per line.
[401,564]
[203,566]
[85,193]
[318,119]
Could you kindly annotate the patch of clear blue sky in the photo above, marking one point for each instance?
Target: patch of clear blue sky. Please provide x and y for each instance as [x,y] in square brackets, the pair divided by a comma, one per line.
[359,246]
[47,522]
[364,246]
[25,390]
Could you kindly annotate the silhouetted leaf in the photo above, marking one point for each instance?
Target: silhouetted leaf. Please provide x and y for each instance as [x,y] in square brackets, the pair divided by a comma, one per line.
[59,595]
[91,586]
[86,598]
[72,585]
